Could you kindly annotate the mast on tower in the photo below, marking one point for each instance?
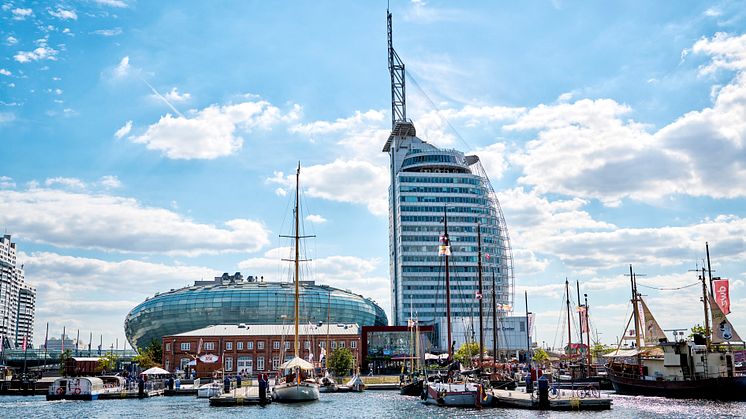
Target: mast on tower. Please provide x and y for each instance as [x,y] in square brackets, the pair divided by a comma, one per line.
[400,125]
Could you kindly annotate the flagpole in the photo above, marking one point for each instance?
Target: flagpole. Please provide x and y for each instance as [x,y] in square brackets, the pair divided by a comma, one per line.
[46,338]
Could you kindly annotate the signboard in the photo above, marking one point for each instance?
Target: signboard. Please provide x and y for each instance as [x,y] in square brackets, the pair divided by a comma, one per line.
[722,294]
[209,358]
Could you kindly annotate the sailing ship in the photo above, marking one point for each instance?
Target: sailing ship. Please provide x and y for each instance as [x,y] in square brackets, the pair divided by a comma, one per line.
[297,383]
[458,390]
[701,368]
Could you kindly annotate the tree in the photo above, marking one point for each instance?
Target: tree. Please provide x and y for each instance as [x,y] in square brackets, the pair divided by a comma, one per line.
[698,330]
[150,356]
[341,361]
[64,356]
[540,355]
[466,352]
[107,362]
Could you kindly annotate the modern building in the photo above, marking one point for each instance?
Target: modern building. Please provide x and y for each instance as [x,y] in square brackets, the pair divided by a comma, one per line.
[233,299]
[253,348]
[388,349]
[429,186]
[17,299]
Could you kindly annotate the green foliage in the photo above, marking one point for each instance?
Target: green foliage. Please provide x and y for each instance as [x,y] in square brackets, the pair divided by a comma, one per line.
[698,330]
[340,361]
[149,356]
[64,356]
[540,355]
[466,352]
[108,362]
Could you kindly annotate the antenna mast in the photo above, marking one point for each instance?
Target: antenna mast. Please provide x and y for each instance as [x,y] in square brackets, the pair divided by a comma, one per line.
[398,91]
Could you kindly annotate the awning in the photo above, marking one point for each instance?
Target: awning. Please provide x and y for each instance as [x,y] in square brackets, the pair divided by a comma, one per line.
[155,371]
[297,363]
[620,353]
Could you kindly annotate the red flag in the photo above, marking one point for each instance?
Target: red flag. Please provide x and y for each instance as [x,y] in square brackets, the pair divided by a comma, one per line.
[24,344]
[479,295]
[722,294]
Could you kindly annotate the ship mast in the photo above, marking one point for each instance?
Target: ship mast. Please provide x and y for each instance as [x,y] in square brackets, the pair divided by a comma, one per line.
[569,335]
[494,323]
[398,87]
[447,253]
[297,257]
[481,309]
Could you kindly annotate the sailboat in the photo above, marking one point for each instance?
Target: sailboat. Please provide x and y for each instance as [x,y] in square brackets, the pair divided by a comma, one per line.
[457,391]
[297,383]
[680,369]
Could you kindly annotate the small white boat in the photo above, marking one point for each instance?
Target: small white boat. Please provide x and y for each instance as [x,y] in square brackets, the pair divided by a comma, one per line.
[458,394]
[83,388]
[205,391]
[327,384]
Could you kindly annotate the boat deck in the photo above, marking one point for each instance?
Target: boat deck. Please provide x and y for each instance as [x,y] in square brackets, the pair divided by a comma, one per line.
[240,396]
[565,400]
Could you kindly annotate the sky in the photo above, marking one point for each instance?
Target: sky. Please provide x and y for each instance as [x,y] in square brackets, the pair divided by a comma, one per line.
[146,145]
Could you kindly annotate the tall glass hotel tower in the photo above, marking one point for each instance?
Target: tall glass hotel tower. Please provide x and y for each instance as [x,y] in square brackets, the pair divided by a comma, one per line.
[426,184]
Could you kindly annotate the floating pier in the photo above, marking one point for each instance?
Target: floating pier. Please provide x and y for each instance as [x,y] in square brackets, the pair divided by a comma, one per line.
[239,397]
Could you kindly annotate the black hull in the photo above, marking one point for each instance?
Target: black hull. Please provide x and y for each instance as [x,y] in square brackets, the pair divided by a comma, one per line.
[412,389]
[724,388]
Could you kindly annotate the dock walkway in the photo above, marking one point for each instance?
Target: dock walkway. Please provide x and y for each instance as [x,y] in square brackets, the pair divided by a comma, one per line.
[239,396]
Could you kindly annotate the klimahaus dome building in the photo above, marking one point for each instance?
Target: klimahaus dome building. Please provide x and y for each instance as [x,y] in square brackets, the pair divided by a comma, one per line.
[231,299]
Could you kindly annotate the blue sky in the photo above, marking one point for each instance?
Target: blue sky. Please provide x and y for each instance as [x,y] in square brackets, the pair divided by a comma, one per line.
[148,144]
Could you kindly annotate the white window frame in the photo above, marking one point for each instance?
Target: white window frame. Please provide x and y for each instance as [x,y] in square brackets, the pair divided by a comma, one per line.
[287,346]
[239,346]
[228,346]
[185,346]
[275,362]
[168,347]
[334,344]
[229,363]
[209,346]
[307,344]
[341,344]
[250,345]
[260,345]
[260,363]
[353,344]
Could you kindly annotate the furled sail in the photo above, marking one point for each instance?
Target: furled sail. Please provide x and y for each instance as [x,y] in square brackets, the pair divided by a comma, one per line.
[722,329]
[653,332]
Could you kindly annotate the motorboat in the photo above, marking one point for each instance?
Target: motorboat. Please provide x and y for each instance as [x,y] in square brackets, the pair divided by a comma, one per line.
[205,391]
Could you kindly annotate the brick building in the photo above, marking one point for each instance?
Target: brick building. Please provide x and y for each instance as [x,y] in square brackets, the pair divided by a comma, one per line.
[253,348]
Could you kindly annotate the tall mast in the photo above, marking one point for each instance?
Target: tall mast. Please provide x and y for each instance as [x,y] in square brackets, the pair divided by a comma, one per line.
[328,320]
[396,70]
[297,256]
[528,331]
[569,335]
[494,321]
[481,312]
[635,312]
[709,269]
[580,313]
[707,311]
[588,335]
[447,244]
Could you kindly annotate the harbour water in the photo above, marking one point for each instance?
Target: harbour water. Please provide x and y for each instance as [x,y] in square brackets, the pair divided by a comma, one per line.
[369,404]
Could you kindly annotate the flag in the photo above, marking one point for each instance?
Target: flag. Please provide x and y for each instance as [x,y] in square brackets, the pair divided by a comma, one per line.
[583,319]
[722,294]
[478,296]
[199,346]
[444,250]
[24,344]
[722,329]
[322,354]
[487,256]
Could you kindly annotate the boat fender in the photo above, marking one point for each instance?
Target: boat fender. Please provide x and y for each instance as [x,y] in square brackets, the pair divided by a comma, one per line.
[60,390]
[441,394]
[77,390]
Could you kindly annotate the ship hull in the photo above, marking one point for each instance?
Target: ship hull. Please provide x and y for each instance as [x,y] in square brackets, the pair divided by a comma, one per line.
[724,388]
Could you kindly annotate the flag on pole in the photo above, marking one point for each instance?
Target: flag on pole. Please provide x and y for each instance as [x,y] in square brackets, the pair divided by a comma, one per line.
[722,294]
[24,344]
[487,256]
[478,295]
[199,346]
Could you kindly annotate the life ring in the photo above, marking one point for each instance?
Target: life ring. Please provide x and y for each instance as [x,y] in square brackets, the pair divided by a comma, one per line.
[60,390]
[77,390]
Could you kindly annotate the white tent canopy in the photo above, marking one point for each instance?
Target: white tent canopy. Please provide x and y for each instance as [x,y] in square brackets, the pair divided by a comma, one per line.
[297,363]
[155,371]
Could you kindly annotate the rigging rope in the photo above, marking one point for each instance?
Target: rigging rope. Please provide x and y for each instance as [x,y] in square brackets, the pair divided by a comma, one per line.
[669,289]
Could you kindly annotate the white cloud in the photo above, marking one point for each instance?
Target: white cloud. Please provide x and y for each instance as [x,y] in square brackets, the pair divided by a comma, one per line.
[493,160]
[345,272]
[107,32]
[93,294]
[211,132]
[110,182]
[123,68]
[713,12]
[331,181]
[5,72]
[69,219]
[63,14]
[6,117]
[124,130]
[112,3]
[339,125]
[727,52]
[41,53]
[66,182]
[7,182]
[316,219]
[175,96]
[281,192]
[21,14]
[11,40]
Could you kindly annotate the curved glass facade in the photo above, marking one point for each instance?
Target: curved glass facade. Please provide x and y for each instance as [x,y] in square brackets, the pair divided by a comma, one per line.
[190,308]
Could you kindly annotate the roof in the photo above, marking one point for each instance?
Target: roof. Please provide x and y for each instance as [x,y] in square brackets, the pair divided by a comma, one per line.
[85,359]
[273,330]
[297,362]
